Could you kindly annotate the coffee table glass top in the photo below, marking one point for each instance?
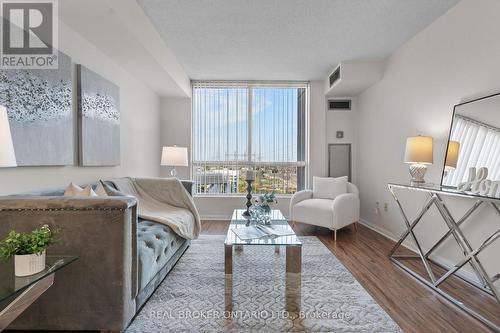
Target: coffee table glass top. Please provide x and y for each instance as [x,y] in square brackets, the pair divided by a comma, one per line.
[10,284]
[278,222]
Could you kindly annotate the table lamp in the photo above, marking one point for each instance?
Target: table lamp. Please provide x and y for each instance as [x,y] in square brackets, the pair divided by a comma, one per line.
[418,154]
[173,157]
[7,155]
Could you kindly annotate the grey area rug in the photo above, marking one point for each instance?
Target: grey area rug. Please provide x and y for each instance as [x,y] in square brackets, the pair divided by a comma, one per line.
[191,298]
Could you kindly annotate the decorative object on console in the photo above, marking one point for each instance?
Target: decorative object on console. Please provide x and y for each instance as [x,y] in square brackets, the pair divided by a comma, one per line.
[250,177]
[28,249]
[418,154]
[174,156]
[478,183]
[7,154]
[98,119]
[39,105]
[476,126]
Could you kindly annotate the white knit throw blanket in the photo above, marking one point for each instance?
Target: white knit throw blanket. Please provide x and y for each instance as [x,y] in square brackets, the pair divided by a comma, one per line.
[163,200]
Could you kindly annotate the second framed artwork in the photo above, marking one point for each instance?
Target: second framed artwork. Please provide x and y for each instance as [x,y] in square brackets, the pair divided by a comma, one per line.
[98,102]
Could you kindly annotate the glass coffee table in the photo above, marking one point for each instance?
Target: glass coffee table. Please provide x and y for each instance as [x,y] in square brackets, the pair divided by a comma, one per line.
[293,255]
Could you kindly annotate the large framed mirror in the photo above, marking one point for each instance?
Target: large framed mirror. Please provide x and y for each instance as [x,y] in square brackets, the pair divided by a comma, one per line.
[472,162]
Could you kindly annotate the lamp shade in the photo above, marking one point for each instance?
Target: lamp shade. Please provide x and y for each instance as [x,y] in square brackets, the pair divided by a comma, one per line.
[7,155]
[419,150]
[452,155]
[174,156]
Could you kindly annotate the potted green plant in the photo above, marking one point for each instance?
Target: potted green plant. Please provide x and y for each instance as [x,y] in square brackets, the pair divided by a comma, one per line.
[28,249]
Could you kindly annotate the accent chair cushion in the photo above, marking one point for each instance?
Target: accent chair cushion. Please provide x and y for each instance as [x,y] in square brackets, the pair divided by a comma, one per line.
[328,187]
[314,211]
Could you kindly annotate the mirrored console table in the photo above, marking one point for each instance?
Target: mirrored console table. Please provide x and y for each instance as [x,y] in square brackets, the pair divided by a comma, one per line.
[436,278]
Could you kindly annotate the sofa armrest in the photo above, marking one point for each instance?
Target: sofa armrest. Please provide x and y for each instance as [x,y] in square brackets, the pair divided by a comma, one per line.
[345,210]
[298,197]
[102,285]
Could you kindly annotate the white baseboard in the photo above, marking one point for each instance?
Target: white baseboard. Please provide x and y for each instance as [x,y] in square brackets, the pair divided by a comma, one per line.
[465,274]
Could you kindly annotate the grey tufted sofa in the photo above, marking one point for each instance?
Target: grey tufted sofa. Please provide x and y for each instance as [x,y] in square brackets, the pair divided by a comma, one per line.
[122,259]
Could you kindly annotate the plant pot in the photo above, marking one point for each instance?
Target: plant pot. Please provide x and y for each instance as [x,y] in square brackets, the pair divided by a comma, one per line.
[29,264]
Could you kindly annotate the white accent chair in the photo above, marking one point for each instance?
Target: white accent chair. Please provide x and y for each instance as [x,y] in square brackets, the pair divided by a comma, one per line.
[335,212]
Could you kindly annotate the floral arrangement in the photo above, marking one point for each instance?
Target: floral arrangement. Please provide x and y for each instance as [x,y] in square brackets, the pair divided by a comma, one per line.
[265,201]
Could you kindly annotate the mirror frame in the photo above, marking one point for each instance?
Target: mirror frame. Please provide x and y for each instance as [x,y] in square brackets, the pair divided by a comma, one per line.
[449,134]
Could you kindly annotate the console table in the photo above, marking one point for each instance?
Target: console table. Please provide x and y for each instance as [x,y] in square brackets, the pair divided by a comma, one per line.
[18,293]
[434,197]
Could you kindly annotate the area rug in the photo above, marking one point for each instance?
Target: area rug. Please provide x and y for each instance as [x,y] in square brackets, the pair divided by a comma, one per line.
[191,298]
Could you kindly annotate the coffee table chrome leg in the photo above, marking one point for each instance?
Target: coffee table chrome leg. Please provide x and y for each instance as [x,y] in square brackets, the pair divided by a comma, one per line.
[293,278]
[228,259]
[228,292]
[293,259]
[228,277]
[293,292]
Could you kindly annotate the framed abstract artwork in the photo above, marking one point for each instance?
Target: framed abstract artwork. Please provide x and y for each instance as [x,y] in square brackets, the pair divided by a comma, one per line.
[39,105]
[98,119]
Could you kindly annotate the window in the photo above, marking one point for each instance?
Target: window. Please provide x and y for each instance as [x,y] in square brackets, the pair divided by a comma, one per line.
[240,126]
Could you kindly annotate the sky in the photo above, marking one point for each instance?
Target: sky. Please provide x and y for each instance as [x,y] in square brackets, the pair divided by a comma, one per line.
[220,124]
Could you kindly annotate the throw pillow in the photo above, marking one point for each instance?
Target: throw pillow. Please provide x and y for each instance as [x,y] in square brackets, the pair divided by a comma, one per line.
[329,188]
[74,190]
[111,191]
[100,190]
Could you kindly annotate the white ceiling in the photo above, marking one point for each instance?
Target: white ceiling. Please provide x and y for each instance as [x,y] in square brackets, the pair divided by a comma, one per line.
[285,39]
[121,30]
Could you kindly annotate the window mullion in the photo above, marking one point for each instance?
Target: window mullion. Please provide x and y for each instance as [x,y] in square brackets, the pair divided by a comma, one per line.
[249,124]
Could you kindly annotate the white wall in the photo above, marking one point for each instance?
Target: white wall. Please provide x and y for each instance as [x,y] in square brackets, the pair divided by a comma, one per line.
[175,120]
[317,132]
[175,129]
[457,58]
[140,129]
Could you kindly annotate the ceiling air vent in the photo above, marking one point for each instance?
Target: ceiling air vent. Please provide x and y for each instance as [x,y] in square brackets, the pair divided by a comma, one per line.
[334,77]
[339,104]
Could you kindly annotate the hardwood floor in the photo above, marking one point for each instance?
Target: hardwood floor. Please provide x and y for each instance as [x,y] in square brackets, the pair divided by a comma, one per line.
[411,304]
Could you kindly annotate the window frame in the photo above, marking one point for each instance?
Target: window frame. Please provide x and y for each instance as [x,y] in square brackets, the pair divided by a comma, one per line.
[250,85]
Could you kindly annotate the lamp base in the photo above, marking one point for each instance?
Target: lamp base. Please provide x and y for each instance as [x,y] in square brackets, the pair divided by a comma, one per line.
[417,172]
[173,172]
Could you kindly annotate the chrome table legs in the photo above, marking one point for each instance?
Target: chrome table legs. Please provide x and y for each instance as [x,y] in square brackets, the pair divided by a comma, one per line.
[470,255]
[293,276]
